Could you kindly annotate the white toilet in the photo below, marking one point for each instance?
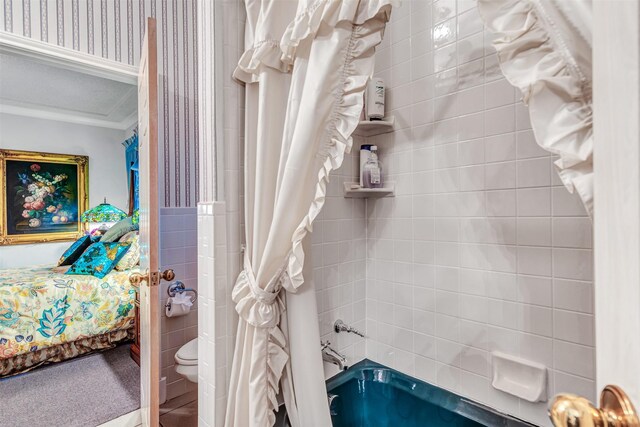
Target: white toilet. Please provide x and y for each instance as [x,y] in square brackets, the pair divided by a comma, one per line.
[187,361]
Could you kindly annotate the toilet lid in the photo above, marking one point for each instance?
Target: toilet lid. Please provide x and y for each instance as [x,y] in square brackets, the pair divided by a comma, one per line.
[188,353]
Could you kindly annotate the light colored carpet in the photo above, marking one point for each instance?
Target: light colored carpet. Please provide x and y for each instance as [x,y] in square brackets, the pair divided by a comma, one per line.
[82,392]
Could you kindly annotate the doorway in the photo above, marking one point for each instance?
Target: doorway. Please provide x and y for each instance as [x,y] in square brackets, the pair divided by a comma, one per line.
[69,243]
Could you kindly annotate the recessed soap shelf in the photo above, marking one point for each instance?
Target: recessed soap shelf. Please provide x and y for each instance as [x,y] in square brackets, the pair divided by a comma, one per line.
[375,127]
[361,193]
[519,377]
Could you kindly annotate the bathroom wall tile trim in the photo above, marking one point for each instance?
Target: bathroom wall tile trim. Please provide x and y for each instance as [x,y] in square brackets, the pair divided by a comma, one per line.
[178,251]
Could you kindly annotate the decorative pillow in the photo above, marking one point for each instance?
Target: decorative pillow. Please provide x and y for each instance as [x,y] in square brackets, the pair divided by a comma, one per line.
[118,230]
[99,259]
[129,236]
[132,257]
[75,250]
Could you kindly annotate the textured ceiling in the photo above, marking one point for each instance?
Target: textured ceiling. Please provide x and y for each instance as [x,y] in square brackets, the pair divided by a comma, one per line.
[32,87]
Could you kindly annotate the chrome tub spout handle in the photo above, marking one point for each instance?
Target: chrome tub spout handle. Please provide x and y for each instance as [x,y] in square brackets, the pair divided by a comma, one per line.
[340,326]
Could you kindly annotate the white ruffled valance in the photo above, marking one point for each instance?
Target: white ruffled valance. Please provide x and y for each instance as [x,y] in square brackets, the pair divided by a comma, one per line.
[330,13]
[545,51]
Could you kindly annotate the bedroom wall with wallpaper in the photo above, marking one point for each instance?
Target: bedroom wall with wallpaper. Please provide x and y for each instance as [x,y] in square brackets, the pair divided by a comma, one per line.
[114,29]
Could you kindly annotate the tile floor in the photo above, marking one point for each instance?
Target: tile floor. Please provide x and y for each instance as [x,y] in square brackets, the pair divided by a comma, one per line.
[180,412]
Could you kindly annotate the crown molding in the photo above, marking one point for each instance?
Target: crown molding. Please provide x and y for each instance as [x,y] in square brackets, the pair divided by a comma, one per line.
[68,58]
[68,117]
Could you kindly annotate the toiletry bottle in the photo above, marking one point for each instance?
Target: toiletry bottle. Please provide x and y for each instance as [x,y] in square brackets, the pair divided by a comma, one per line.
[365,151]
[374,100]
[372,173]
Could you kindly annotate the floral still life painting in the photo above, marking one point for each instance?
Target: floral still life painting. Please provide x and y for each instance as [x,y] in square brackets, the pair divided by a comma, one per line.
[43,196]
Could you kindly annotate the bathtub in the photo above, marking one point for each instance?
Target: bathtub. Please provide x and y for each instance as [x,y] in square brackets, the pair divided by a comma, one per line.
[371,395]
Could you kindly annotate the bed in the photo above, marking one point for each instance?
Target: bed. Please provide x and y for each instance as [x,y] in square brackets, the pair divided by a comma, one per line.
[48,317]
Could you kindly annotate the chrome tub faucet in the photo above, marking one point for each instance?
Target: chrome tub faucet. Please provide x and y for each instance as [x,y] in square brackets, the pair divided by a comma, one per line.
[332,356]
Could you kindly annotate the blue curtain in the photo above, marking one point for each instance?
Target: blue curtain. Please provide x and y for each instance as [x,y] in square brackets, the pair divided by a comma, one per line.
[131,157]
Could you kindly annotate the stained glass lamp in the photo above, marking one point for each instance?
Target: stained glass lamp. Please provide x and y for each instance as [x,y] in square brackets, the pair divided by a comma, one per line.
[102,217]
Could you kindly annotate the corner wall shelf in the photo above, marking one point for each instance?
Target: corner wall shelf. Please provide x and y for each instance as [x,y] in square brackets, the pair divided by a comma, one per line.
[362,193]
[375,127]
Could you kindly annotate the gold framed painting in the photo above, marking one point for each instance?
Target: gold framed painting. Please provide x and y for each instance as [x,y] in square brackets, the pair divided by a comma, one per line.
[43,196]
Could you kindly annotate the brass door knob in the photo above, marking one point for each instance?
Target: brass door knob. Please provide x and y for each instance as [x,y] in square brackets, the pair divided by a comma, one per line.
[136,279]
[616,410]
[168,275]
[152,279]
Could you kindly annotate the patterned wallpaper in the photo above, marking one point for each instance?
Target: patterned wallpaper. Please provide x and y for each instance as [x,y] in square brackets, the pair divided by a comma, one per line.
[114,29]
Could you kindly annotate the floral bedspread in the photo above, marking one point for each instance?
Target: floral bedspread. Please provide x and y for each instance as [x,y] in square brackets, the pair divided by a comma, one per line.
[40,308]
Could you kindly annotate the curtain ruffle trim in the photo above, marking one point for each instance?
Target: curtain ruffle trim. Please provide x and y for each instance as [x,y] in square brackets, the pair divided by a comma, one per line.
[277,359]
[367,33]
[266,53]
[559,101]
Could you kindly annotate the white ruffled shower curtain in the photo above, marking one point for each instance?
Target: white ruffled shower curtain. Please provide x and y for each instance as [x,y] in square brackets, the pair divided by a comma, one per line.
[544,49]
[306,66]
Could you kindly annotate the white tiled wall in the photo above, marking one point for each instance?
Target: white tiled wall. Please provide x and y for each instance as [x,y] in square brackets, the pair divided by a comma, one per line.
[178,251]
[339,261]
[234,21]
[482,248]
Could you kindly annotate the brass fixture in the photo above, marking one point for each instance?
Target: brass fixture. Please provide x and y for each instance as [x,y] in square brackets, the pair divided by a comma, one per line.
[167,275]
[616,410]
[136,279]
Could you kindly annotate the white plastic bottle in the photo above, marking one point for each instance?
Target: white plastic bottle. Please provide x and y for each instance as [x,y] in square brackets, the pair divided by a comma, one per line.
[372,171]
[365,152]
[375,99]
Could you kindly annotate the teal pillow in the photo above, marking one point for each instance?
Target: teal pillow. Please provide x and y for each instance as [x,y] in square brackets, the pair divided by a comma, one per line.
[119,229]
[99,259]
[75,250]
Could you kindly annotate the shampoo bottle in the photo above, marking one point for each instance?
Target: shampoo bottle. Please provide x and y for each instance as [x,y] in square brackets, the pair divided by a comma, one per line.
[365,152]
[372,171]
[375,99]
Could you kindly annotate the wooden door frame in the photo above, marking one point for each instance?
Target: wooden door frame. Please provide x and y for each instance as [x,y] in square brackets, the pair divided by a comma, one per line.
[616,78]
